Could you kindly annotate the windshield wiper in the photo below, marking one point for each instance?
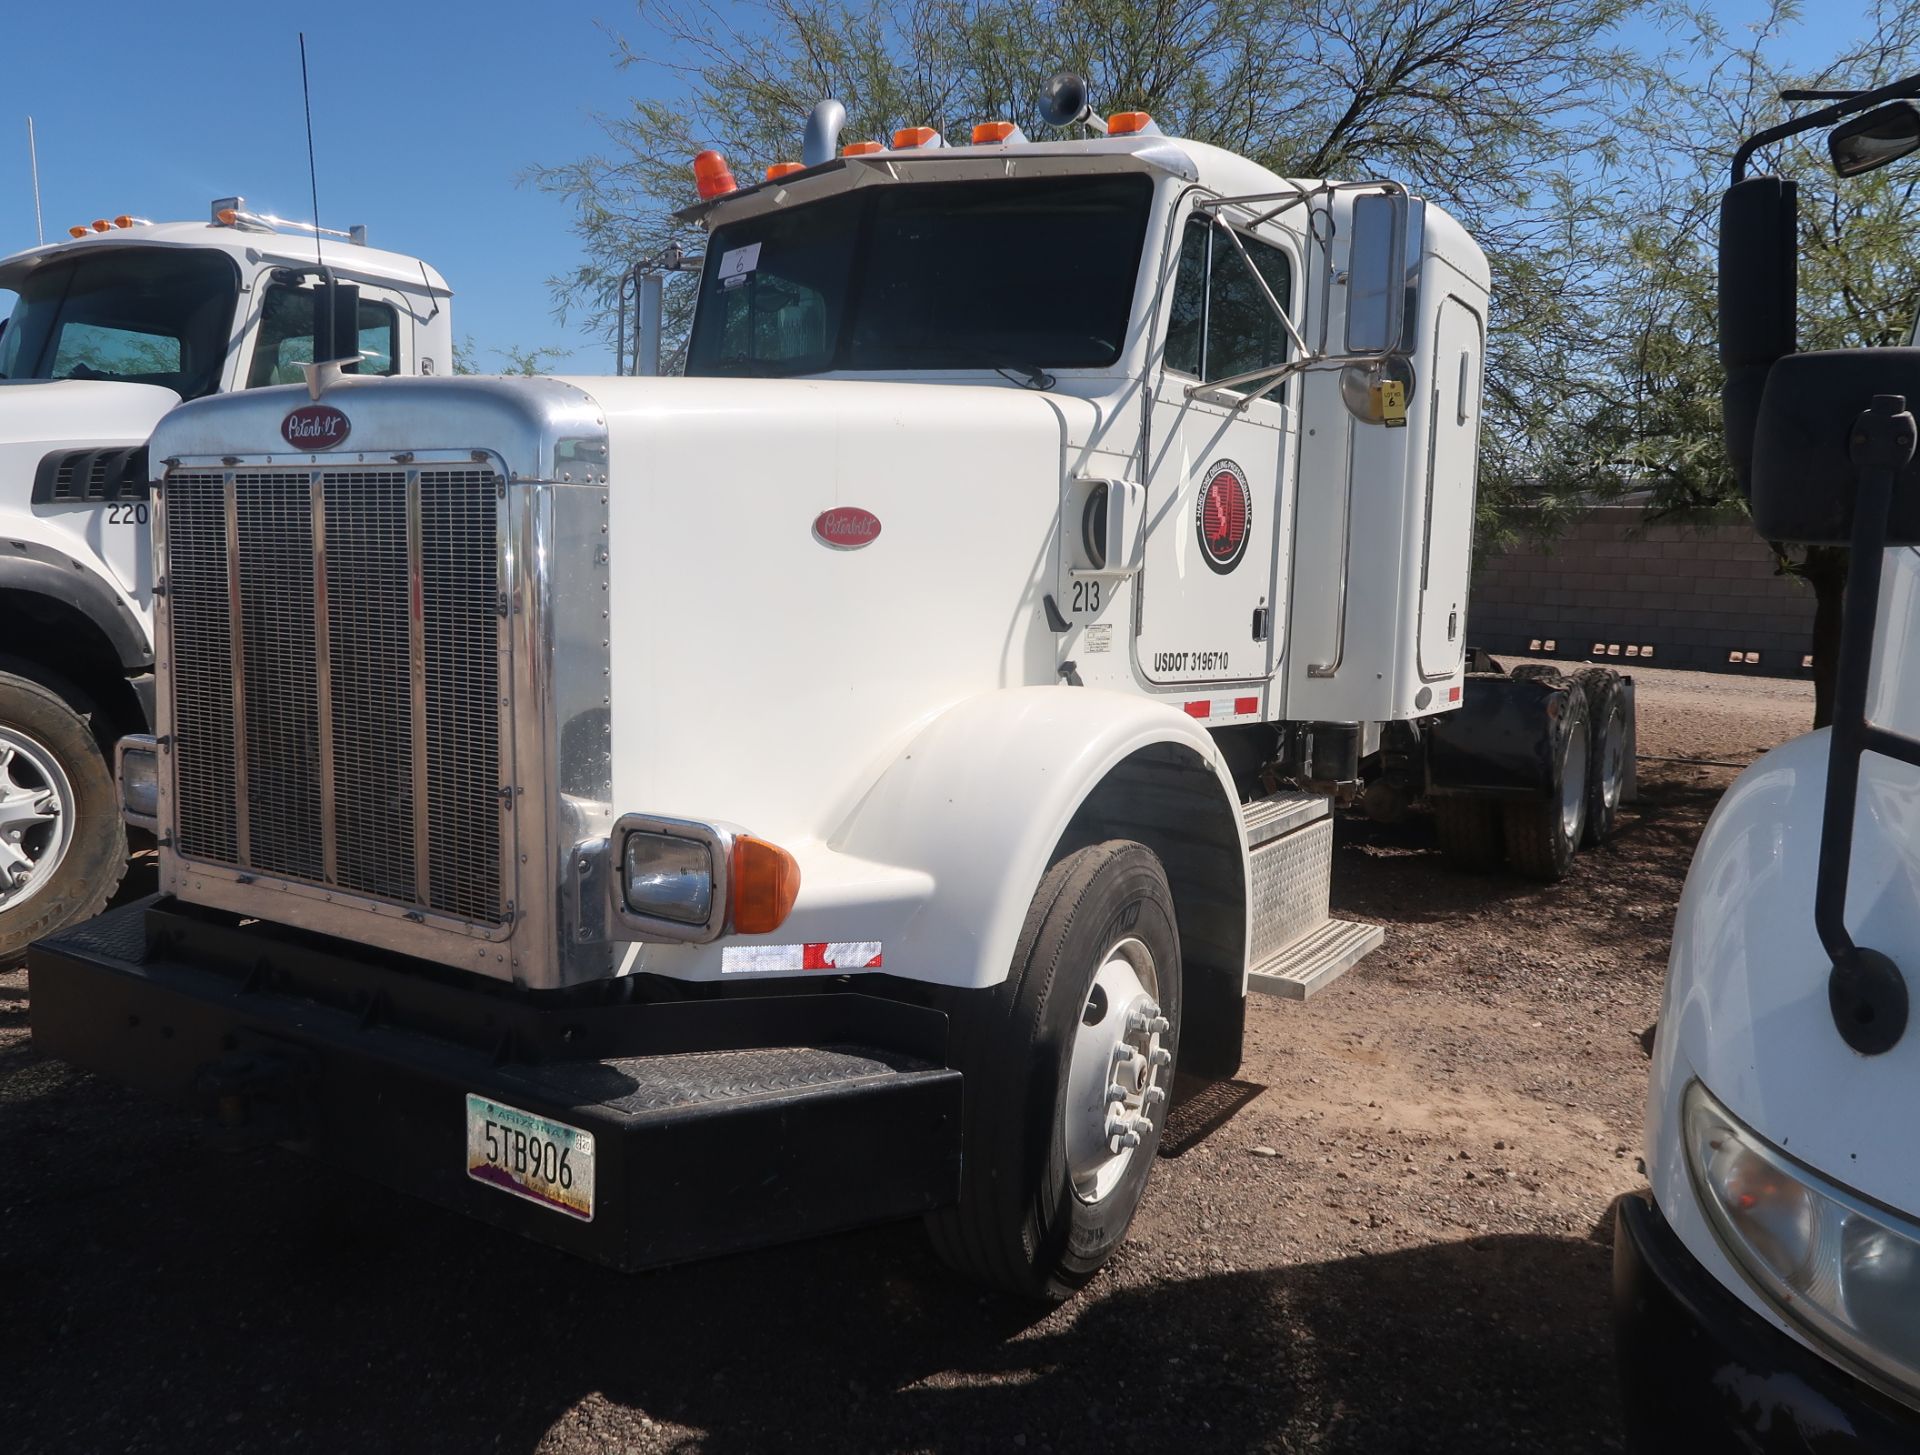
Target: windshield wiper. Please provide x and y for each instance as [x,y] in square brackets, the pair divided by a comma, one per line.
[1031,377]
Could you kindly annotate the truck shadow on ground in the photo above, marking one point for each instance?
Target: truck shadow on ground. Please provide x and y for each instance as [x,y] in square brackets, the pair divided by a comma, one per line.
[165,1296]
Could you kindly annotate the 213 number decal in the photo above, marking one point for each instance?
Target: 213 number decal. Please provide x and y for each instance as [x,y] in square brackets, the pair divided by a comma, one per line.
[1086,596]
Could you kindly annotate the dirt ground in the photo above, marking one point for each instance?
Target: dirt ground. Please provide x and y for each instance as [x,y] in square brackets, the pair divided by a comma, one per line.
[1389,1234]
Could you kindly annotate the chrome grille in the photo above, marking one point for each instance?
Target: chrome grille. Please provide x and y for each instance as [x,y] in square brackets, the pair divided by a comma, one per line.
[347,735]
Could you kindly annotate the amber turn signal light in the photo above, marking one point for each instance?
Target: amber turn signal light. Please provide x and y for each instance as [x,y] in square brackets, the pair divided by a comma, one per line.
[766,880]
[860,148]
[1126,123]
[784,169]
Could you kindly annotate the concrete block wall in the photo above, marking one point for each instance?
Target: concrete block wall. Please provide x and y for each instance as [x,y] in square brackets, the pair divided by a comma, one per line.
[1692,594]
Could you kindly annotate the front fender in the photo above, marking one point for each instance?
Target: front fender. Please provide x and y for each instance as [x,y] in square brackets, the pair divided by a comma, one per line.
[978,801]
[933,868]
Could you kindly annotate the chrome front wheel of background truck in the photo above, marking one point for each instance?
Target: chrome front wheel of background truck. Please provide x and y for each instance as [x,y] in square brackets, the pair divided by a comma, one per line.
[63,848]
[1067,1067]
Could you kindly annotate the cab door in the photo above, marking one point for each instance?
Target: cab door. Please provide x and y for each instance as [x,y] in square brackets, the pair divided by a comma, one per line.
[1219,499]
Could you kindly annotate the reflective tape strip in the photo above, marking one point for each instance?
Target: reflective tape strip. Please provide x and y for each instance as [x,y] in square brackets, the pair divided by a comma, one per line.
[819,955]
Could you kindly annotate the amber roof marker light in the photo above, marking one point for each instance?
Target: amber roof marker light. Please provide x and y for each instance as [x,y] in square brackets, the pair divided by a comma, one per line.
[712,176]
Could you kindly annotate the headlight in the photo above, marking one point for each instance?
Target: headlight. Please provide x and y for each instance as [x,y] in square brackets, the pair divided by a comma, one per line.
[689,880]
[669,877]
[137,765]
[1844,1270]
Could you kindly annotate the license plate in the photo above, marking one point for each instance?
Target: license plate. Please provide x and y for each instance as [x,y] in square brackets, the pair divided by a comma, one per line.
[546,1162]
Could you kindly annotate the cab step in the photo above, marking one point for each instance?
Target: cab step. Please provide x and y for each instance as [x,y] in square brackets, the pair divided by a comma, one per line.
[1314,961]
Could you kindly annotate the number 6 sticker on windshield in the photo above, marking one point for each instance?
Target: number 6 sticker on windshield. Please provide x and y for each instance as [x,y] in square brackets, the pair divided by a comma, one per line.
[542,1161]
[736,263]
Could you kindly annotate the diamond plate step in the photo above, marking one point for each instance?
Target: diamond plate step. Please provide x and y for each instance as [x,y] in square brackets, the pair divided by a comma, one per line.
[1314,961]
[1268,818]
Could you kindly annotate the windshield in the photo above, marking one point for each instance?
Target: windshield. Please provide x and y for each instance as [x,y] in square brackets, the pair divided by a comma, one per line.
[972,275]
[139,316]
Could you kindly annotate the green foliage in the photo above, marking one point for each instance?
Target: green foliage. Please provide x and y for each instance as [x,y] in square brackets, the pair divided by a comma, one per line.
[466,358]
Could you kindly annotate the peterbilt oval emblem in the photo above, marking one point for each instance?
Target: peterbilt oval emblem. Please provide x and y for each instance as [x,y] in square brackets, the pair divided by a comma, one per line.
[1223,516]
[315,427]
[846,527]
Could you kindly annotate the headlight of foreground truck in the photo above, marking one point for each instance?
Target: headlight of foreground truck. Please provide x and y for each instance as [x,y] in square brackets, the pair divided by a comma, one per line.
[669,877]
[686,880]
[137,766]
[1842,1269]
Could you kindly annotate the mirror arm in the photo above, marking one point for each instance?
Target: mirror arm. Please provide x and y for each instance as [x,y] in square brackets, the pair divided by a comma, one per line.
[1265,292]
[1894,91]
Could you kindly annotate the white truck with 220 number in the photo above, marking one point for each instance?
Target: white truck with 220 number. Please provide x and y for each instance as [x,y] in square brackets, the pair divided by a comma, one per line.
[112,327]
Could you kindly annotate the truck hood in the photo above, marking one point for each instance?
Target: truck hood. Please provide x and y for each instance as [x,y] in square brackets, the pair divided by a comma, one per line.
[51,413]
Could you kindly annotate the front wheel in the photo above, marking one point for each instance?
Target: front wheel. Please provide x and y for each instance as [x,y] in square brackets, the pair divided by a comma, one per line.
[1068,1064]
[63,848]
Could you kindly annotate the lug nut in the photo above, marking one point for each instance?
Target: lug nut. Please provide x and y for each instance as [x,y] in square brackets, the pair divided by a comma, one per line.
[1155,1095]
[1159,1056]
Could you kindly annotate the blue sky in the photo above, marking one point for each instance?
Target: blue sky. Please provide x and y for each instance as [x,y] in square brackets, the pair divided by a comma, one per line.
[426,112]
[424,115]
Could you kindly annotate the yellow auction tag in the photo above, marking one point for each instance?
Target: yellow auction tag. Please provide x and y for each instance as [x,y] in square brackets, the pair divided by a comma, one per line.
[1391,396]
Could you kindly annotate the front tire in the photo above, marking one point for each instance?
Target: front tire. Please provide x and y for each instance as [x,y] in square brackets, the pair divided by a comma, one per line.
[63,847]
[1610,754]
[1068,1065]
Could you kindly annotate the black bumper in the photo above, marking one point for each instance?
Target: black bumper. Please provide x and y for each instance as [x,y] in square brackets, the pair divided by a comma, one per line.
[1702,1373]
[719,1124]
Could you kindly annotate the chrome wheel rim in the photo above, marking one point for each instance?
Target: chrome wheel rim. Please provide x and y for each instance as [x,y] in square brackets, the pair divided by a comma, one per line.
[1573,783]
[1613,769]
[1117,1073]
[36,817]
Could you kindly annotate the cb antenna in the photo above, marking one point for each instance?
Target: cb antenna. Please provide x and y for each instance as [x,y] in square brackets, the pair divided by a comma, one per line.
[313,178]
[33,162]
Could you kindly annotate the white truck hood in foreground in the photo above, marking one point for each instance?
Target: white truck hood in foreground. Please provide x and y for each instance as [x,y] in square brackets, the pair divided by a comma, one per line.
[1746,1008]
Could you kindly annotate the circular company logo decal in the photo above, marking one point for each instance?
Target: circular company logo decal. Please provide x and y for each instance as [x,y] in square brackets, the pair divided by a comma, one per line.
[315,427]
[846,527]
[1223,516]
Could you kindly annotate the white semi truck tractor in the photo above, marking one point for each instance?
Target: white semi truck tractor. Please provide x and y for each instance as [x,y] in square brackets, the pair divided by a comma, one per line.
[111,327]
[662,816]
[1767,1291]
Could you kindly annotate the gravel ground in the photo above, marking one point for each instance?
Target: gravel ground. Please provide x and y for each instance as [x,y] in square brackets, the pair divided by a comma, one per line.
[1389,1234]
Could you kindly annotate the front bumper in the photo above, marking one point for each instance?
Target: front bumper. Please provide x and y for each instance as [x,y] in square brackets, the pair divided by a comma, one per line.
[1701,1372]
[719,1124]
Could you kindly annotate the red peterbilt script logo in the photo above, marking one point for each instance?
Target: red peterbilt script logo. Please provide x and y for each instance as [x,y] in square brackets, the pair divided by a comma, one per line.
[847,527]
[315,427]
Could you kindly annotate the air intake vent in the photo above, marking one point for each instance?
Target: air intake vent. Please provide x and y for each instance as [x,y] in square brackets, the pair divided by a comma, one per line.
[91,477]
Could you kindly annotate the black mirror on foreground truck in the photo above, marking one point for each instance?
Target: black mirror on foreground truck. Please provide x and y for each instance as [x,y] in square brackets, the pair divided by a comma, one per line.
[1885,134]
[1758,298]
[336,321]
[1804,482]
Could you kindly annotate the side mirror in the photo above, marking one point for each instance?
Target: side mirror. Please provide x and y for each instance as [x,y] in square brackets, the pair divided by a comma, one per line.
[1377,272]
[1884,134]
[1759,291]
[1804,481]
[336,322]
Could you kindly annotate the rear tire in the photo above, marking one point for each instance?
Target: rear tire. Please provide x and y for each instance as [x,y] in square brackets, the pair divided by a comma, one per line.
[1543,834]
[63,847]
[1468,830]
[1092,1002]
[1610,750]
